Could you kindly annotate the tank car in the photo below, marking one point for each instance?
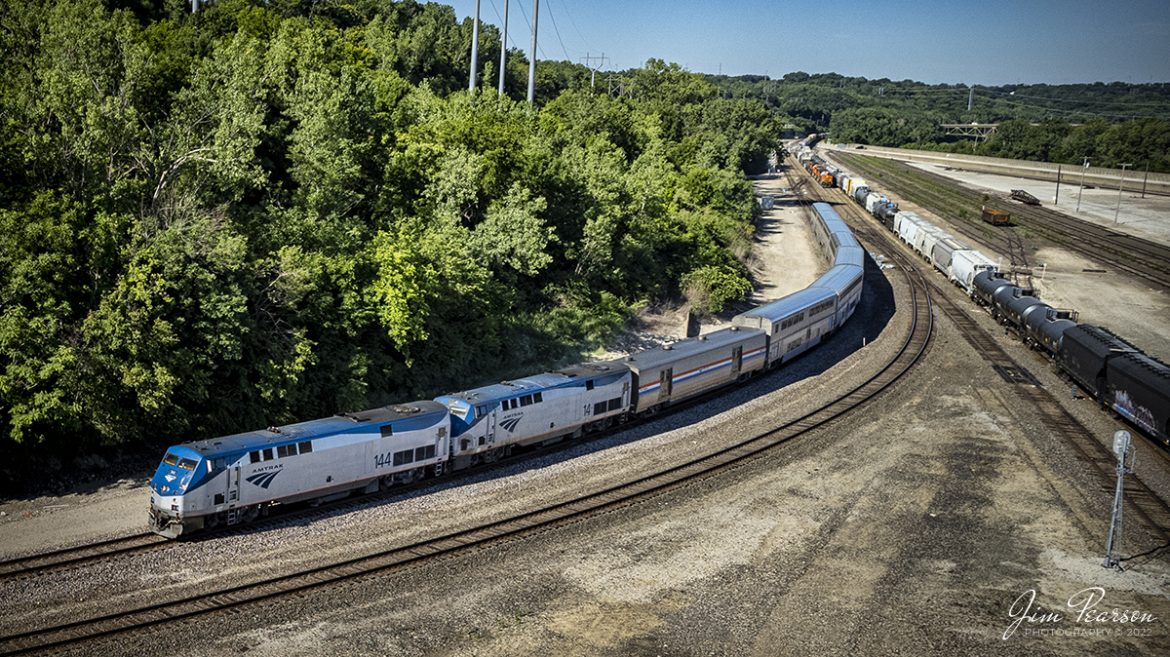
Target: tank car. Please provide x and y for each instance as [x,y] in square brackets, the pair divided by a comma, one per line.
[1045,328]
[986,284]
[1014,308]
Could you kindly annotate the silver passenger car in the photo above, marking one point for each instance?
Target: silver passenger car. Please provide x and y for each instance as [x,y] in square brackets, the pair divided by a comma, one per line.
[690,367]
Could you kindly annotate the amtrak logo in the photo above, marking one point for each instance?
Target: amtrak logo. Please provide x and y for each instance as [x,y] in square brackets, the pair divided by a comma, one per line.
[510,423]
[263,479]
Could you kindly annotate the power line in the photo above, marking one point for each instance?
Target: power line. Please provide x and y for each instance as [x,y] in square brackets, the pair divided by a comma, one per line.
[574,24]
[548,8]
[529,24]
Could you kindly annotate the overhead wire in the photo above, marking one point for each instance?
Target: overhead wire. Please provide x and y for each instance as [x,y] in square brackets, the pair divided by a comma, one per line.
[556,30]
[529,24]
[575,28]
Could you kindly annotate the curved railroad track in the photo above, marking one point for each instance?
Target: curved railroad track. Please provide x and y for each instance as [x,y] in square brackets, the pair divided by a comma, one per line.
[1143,259]
[590,504]
[1143,502]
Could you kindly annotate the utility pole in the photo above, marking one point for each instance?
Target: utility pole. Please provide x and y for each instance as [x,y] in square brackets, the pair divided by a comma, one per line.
[504,47]
[588,64]
[1082,189]
[1146,179]
[1056,201]
[532,59]
[474,51]
[1120,186]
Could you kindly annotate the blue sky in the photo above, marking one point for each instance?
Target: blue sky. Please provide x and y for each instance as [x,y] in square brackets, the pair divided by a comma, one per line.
[987,42]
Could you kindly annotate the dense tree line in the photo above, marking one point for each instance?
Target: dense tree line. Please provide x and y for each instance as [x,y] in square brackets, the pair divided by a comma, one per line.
[1108,123]
[270,211]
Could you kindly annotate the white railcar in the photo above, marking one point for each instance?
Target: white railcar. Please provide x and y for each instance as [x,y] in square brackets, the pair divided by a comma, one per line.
[487,422]
[794,323]
[965,265]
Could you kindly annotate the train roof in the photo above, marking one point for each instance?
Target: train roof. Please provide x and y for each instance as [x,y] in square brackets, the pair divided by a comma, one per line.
[508,389]
[539,382]
[832,220]
[793,303]
[844,238]
[838,278]
[671,353]
[1098,340]
[594,369]
[850,255]
[423,412]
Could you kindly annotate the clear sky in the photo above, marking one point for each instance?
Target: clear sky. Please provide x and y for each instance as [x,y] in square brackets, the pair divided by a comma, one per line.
[953,41]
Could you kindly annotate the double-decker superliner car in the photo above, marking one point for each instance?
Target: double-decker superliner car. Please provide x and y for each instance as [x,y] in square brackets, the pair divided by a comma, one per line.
[793,324]
[681,370]
[236,478]
[487,422]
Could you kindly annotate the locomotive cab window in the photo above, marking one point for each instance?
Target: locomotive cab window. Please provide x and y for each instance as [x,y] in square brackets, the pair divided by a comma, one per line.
[187,464]
[537,398]
[305,447]
[387,430]
[254,457]
[171,459]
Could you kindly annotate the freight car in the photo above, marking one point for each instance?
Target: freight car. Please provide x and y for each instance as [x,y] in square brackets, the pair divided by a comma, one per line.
[1113,371]
[996,217]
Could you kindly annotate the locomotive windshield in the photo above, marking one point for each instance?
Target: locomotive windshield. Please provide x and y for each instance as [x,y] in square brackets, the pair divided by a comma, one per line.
[185,464]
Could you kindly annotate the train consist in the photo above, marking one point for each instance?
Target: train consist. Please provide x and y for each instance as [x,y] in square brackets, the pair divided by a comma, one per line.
[1110,369]
[233,479]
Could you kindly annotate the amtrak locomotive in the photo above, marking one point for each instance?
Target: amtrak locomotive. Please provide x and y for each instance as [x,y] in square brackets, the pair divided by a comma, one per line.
[233,479]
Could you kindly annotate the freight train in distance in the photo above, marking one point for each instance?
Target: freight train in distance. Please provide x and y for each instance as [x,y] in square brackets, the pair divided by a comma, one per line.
[233,479]
[1118,374]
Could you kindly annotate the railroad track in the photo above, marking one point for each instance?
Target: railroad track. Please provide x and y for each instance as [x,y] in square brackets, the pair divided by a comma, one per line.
[584,506]
[1141,258]
[1142,502]
[80,554]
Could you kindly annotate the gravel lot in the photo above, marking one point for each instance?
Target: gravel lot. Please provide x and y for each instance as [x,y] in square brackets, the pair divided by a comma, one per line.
[909,527]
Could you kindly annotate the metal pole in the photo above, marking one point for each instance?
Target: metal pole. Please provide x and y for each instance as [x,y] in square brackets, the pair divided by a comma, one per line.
[1145,179]
[532,59]
[194,6]
[474,51]
[1056,201]
[1120,186]
[504,47]
[1122,447]
[1082,189]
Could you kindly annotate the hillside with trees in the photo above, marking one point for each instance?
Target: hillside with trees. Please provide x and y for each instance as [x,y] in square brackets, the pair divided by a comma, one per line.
[273,211]
[1108,123]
